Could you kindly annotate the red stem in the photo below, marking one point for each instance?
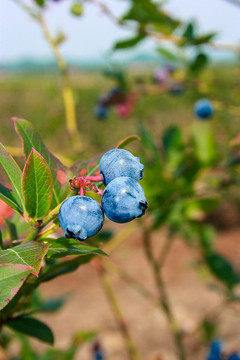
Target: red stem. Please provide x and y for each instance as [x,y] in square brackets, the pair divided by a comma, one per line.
[94,178]
[82,191]
[100,192]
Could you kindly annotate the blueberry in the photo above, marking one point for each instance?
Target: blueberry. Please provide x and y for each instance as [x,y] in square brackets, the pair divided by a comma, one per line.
[101,111]
[215,350]
[123,200]
[176,88]
[119,162]
[234,356]
[80,217]
[203,109]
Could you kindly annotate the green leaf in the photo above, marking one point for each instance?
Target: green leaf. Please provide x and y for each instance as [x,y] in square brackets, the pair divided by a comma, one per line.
[11,229]
[82,337]
[63,268]
[146,12]
[12,276]
[27,352]
[76,9]
[1,241]
[29,254]
[51,305]
[7,196]
[14,174]
[167,54]
[209,329]
[37,186]
[32,327]
[199,63]
[173,147]
[147,138]
[205,147]
[197,208]
[63,247]
[60,174]
[203,39]
[222,269]
[128,140]
[40,3]
[189,31]
[172,139]
[124,44]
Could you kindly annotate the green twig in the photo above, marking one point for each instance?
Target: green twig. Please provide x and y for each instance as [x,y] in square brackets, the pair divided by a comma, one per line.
[129,280]
[163,297]
[117,312]
[67,92]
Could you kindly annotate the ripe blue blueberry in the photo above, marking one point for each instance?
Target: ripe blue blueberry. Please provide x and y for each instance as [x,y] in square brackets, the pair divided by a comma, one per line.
[215,350]
[80,217]
[234,356]
[119,162]
[101,111]
[123,200]
[203,109]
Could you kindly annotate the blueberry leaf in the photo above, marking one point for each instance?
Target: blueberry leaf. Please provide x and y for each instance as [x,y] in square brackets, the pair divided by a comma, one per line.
[12,276]
[37,186]
[123,143]
[32,327]
[29,254]
[7,196]
[14,174]
[64,247]
[60,173]
[124,44]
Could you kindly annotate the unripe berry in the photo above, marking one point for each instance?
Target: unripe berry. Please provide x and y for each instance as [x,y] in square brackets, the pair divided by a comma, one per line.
[123,200]
[80,217]
[119,162]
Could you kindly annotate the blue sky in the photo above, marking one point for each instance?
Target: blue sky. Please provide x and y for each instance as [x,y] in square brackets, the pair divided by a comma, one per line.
[92,35]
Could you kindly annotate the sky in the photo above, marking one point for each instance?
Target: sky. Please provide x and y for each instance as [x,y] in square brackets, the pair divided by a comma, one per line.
[92,35]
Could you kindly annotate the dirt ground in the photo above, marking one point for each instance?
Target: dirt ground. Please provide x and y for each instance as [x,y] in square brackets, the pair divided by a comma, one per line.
[191,298]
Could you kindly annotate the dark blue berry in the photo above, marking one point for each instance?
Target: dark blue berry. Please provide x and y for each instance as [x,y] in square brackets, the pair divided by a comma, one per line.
[119,162]
[101,111]
[203,109]
[80,217]
[123,200]
[215,350]
[234,356]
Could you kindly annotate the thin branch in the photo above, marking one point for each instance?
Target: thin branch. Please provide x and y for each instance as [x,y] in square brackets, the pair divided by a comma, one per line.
[129,280]
[117,312]
[163,297]
[178,40]
[67,92]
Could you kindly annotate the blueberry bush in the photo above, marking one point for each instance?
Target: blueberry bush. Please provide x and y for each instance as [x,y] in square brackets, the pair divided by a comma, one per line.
[179,182]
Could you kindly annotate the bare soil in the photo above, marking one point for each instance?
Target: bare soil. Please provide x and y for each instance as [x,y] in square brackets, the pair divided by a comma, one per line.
[189,291]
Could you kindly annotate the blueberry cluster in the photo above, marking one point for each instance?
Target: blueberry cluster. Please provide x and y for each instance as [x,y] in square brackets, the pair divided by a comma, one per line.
[123,198]
[118,98]
[113,97]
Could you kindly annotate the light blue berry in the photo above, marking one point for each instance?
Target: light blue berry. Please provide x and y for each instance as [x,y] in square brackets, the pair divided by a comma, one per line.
[203,109]
[123,200]
[119,162]
[80,217]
